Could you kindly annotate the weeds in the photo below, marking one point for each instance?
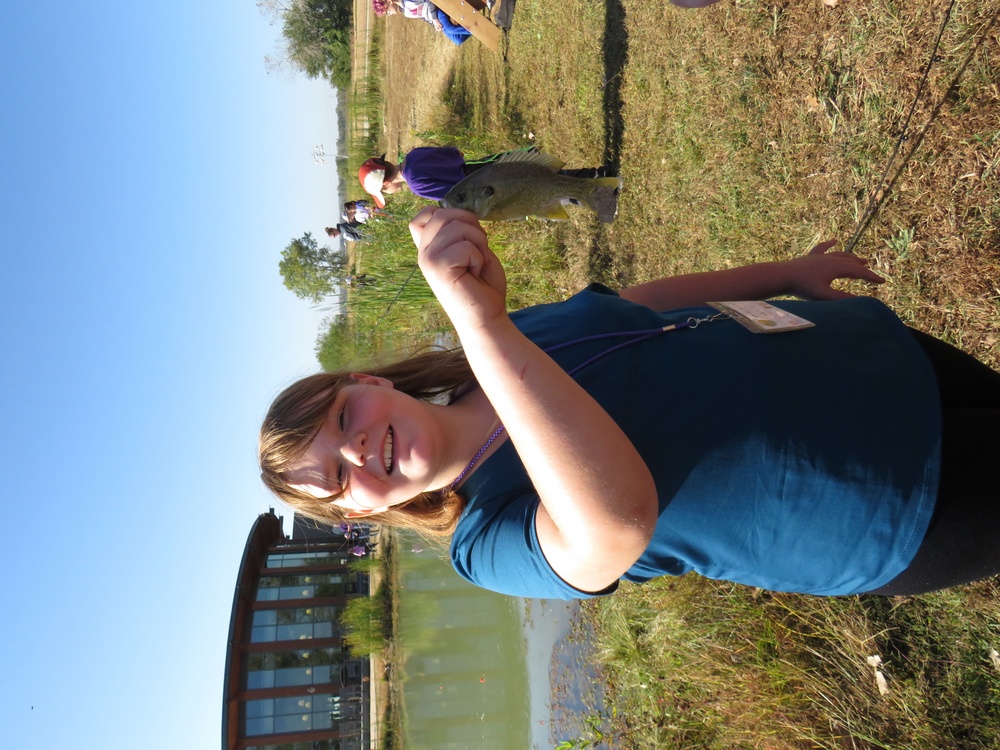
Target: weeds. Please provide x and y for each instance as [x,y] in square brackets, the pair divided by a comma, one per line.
[900,243]
[724,666]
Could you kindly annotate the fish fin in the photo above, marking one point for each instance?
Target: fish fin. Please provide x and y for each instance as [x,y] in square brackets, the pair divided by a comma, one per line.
[531,155]
[612,182]
[555,212]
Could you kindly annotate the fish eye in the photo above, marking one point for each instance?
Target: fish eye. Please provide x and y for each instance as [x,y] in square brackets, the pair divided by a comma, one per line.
[460,198]
[488,192]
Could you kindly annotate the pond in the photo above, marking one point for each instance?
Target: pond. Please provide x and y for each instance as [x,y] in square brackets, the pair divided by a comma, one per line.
[484,670]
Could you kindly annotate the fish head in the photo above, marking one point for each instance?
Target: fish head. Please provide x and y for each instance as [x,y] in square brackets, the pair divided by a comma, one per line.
[472,196]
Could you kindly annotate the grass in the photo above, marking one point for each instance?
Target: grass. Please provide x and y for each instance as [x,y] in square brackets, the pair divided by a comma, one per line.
[749,131]
[696,663]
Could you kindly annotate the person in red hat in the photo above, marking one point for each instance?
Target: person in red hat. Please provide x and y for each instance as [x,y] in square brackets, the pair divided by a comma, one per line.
[431,171]
[378,176]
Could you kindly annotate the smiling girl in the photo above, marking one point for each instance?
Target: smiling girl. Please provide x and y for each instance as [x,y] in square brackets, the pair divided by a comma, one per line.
[575,444]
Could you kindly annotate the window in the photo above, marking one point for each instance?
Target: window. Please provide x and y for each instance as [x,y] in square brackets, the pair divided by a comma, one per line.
[303,559]
[288,668]
[283,588]
[314,745]
[293,714]
[293,624]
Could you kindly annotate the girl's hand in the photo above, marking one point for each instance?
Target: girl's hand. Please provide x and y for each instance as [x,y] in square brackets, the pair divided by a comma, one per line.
[462,271]
[811,275]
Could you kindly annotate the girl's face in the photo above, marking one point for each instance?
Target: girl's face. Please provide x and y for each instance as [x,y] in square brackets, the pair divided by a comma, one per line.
[378,446]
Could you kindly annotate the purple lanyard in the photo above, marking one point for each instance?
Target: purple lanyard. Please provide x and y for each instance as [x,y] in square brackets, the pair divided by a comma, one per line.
[634,337]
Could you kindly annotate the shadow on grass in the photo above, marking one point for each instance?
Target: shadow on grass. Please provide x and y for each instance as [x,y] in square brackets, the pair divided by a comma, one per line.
[615,56]
[602,265]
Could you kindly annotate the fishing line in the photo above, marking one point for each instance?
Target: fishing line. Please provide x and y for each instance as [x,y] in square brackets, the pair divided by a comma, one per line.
[394,299]
[879,195]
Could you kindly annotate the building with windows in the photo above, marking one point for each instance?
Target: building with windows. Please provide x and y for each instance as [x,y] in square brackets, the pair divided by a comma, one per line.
[290,683]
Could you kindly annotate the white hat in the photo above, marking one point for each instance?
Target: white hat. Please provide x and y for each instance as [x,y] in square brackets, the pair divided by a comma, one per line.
[372,175]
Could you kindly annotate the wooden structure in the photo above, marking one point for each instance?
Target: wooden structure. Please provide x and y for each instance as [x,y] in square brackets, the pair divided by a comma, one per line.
[468,14]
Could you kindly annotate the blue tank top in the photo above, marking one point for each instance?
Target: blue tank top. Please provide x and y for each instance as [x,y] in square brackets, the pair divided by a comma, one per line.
[805,461]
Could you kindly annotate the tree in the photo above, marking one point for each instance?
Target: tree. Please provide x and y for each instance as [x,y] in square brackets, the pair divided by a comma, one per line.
[317,36]
[310,271]
[343,344]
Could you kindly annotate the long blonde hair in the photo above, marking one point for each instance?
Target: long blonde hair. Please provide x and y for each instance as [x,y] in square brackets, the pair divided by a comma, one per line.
[299,411]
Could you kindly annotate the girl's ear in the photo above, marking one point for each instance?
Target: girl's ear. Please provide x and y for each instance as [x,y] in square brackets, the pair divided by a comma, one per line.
[363,379]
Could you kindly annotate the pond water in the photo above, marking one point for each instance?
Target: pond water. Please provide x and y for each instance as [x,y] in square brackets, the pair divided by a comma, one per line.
[484,670]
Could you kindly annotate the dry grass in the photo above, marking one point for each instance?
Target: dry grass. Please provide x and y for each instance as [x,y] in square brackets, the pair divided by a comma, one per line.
[700,664]
[747,131]
[773,127]
[418,64]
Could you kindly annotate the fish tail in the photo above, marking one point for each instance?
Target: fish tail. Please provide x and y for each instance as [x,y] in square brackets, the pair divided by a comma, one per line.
[604,198]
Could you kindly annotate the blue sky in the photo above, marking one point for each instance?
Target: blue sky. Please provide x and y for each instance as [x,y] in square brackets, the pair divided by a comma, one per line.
[151,172]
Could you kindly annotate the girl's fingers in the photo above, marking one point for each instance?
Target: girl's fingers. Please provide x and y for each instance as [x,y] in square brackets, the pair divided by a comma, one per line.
[456,245]
[419,223]
[866,274]
[426,224]
[822,247]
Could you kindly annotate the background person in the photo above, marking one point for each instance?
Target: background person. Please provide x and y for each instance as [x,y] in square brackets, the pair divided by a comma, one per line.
[425,11]
[431,171]
[349,229]
[358,211]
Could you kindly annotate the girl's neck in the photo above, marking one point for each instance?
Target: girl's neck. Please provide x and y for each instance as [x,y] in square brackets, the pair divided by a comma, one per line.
[477,421]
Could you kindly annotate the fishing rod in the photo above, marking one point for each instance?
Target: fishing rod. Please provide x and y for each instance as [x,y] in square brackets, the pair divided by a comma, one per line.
[879,195]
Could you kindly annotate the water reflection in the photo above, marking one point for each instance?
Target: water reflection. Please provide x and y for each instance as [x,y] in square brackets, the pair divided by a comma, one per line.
[488,671]
[466,680]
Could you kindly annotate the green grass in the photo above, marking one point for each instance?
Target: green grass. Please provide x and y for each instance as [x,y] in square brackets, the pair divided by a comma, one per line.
[362,102]
[365,624]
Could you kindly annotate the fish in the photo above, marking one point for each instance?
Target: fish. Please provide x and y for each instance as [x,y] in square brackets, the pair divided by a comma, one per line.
[527,183]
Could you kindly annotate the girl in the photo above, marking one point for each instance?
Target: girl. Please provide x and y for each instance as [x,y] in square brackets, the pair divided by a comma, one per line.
[598,439]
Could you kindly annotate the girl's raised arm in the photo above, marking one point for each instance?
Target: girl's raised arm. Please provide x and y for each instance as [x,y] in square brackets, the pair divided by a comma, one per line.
[592,484]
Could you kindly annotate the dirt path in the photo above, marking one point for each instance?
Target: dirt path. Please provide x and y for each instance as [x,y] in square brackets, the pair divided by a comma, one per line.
[418,62]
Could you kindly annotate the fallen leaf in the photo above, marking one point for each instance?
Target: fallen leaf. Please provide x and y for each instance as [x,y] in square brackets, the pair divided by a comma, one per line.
[875,662]
[883,684]
[995,658]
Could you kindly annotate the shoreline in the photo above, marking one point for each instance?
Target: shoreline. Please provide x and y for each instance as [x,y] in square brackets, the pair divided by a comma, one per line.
[546,623]
[564,685]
